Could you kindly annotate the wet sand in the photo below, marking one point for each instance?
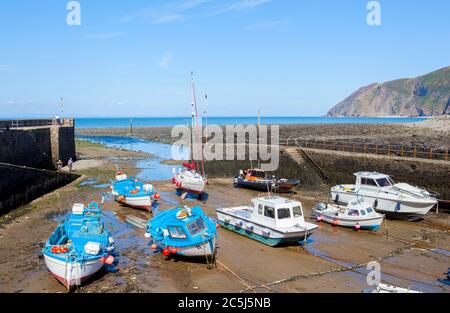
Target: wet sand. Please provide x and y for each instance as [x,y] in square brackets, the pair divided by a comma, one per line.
[411,254]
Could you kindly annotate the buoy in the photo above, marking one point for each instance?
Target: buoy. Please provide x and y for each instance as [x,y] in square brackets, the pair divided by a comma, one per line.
[109,260]
[174,250]
[357,226]
[319,218]
[102,259]
[166,251]
[154,246]
[157,196]
[217,226]
[335,222]
[120,198]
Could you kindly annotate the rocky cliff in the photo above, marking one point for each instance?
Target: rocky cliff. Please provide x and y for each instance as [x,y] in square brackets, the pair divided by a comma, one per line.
[420,96]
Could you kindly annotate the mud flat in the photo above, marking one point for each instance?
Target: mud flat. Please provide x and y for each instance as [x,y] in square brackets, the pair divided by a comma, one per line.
[411,254]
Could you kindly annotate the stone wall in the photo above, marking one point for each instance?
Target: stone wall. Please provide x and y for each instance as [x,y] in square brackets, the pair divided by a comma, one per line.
[21,185]
[38,147]
[339,167]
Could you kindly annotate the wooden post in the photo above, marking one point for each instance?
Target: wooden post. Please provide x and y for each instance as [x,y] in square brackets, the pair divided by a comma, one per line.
[415,152]
[403,152]
[389,150]
[131,126]
[365,148]
[431,153]
[446,155]
[376,149]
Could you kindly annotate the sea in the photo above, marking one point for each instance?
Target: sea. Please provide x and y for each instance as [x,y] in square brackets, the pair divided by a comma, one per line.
[101,122]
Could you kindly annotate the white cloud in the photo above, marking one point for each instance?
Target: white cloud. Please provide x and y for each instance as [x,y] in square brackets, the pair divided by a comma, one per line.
[108,35]
[242,5]
[165,18]
[166,60]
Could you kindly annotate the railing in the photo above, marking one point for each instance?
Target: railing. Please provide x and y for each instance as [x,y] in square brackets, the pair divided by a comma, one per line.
[15,124]
[421,152]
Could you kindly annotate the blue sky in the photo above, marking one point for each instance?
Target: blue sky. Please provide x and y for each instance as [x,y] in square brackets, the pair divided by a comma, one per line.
[285,57]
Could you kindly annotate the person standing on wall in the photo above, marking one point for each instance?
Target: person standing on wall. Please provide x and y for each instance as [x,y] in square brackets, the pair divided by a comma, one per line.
[70,164]
[59,165]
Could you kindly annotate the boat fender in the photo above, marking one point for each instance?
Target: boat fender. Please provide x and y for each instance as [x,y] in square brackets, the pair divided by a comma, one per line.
[157,196]
[375,203]
[166,251]
[266,231]
[357,226]
[250,226]
[336,199]
[319,218]
[335,222]
[241,223]
[154,246]
[59,249]
[109,260]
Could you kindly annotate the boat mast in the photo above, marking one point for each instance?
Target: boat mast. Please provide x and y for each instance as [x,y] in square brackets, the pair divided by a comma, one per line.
[195,112]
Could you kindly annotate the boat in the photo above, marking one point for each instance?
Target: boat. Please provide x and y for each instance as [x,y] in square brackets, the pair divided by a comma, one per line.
[132,192]
[79,247]
[187,179]
[272,220]
[384,288]
[183,232]
[357,214]
[256,179]
[395,200]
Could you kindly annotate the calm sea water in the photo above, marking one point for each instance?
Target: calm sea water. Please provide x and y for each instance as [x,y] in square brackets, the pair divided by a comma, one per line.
[171,121]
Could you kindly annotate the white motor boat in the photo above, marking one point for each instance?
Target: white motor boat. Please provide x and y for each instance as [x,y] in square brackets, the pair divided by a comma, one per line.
[395,200]
[272,220]
[357,214]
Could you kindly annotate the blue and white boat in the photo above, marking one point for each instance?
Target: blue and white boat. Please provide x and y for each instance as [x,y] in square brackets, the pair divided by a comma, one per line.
[79,247]
[132,192]
[183,231]
[272,220]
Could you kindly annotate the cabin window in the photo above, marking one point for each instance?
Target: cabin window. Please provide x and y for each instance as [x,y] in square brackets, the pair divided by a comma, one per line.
[284,213]
[269,212]
[196,227]
[260,209]
[369,210]
[383,182]
[297,211]
[368,181]
[257,174]
[177,232]
[363,212]
[353,213]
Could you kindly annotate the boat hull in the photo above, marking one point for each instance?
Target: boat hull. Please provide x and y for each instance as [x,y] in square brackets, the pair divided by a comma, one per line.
[366,224]
[403,209]
[284,187]
[195,251]
[72,274]
[144,203]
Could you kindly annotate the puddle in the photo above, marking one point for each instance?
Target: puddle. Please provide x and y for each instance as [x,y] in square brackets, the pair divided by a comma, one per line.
[88,182]
[441,251]
[101,186]
[151,168]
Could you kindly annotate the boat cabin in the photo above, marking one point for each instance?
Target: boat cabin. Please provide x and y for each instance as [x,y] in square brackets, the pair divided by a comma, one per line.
[373,180]
[278,211]
[254,174]
[359,208]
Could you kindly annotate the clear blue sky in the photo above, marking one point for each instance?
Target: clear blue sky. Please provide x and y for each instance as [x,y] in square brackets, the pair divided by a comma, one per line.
[285,57]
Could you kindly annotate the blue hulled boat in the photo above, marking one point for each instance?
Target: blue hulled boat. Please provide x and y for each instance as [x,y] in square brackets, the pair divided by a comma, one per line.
[183,231]
[79,247]
[132,192]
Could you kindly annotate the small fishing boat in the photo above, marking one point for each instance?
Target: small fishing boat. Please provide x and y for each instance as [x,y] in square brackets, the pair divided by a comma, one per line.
[187,179]
[395,200]
[257,179]
[272,220]
[132,192]
[357,214]
[383,288]
[184,232]
[79,247]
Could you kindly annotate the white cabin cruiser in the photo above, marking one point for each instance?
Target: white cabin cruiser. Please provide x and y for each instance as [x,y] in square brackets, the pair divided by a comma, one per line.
[396,200]
[189,179]
[272,220]
[357,214]
[383,288]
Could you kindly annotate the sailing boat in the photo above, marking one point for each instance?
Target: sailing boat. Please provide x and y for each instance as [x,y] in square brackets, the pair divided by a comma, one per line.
[188,179]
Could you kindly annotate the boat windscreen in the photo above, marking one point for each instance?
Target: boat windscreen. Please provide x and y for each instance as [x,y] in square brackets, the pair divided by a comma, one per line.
[383,182]
[177,232]
[284,213]
[196,226]
[297,210]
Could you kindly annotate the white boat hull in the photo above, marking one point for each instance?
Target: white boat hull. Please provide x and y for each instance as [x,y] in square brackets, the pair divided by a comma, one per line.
[72,273]
[369,223]
[190,184]
[392,207]
[269,236]
[144,202]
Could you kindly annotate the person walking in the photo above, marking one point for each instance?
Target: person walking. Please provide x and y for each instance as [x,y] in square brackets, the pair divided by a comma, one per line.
[70,164]
[59,165]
